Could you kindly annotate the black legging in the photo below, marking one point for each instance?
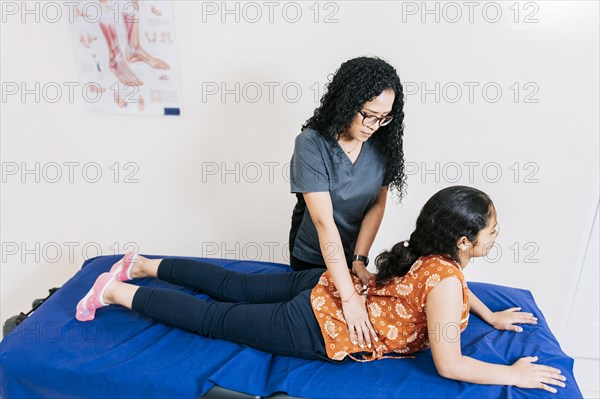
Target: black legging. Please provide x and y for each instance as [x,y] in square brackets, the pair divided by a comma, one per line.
[269,312]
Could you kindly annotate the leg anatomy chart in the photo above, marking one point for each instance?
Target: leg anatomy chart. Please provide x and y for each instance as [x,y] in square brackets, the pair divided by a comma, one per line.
[127,57]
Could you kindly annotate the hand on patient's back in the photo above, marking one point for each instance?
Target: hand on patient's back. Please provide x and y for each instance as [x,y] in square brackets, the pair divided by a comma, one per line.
[529,375]
[362,273]
[357,318]
[506,319]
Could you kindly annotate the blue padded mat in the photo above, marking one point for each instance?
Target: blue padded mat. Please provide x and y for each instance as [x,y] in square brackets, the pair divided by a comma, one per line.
[121,354]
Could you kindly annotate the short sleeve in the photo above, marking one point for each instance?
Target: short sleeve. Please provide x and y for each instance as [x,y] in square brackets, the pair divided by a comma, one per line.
[307,168]
[386,180]
[434,274]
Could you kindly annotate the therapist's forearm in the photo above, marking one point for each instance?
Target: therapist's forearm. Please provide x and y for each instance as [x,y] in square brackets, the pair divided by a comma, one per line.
[335,259]
[370,224]
[369,229]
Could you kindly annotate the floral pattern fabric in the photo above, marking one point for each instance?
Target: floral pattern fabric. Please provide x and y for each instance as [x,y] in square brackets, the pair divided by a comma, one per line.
[397,310]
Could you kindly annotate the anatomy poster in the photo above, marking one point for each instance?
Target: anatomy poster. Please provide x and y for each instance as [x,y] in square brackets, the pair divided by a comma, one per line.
[127,56]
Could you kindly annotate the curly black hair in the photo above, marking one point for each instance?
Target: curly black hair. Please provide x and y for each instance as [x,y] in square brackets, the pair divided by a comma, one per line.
[356,82]
[450,214]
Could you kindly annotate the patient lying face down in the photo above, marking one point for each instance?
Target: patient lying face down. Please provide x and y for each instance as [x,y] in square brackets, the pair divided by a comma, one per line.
[419,287]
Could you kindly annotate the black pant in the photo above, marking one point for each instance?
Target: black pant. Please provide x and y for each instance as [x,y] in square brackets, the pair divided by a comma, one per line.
[298,264]
[269,312]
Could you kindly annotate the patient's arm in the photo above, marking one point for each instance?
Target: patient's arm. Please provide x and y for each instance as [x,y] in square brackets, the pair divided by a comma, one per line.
[504,320]
[479,309]
[444,309]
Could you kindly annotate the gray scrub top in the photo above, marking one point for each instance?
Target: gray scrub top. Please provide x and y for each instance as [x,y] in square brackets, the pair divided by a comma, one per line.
[317,165]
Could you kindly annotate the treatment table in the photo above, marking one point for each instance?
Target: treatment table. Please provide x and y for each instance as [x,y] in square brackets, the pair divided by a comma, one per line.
[121,354]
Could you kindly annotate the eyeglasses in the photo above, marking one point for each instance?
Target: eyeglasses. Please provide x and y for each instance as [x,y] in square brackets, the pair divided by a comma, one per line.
[370,120]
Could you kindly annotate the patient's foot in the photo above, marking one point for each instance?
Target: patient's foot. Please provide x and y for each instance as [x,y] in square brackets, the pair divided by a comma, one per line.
[94,299]
[145,267]
[122,269]
[108,296]
[134,265]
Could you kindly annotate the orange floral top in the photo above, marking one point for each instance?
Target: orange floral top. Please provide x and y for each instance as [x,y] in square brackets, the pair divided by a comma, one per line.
[397,310]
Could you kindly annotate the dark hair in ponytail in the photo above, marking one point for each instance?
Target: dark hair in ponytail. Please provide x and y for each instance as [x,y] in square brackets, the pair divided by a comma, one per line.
[449,214]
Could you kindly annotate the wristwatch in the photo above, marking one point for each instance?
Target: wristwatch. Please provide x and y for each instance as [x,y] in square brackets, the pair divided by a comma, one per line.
[361,258]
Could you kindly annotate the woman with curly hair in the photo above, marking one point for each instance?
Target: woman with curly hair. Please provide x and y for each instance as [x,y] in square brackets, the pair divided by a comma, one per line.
[346,157]
[420,286]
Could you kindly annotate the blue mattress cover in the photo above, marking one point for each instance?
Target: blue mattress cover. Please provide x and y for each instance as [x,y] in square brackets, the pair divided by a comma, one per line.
[125,355]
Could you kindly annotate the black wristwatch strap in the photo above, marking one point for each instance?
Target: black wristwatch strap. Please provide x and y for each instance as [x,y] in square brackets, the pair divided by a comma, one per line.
[361,258]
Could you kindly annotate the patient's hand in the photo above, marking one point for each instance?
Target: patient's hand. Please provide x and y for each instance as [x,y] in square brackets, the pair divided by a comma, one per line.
[526,374]
[506,319]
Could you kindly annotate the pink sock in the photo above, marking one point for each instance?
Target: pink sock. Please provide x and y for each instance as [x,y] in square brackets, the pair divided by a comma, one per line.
[86,308]
[122,269]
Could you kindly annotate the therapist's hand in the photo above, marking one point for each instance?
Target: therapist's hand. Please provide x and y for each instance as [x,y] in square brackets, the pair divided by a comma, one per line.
[357,318]
[360,271]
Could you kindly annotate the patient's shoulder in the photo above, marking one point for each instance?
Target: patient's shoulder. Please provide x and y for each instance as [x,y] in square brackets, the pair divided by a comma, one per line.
[435,264]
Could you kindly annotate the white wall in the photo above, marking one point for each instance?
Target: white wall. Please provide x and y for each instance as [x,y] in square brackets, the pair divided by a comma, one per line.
[544,210]
[583,328]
